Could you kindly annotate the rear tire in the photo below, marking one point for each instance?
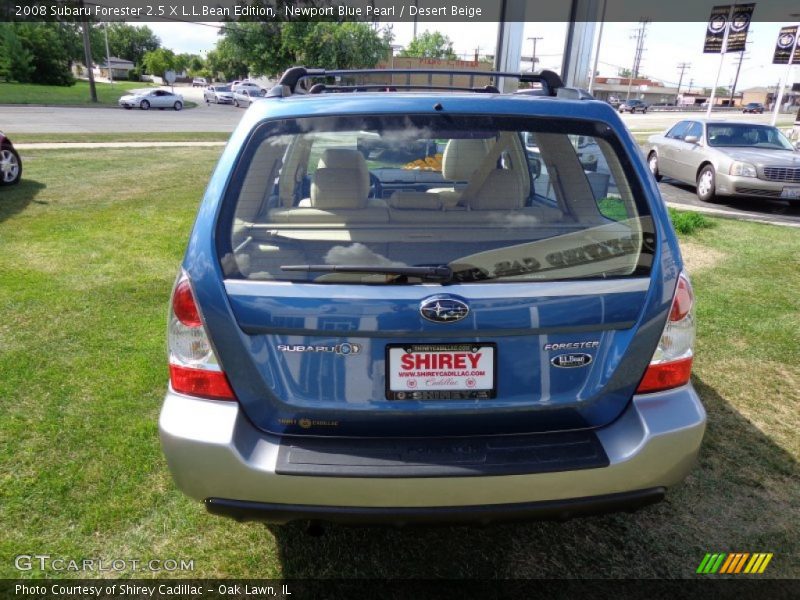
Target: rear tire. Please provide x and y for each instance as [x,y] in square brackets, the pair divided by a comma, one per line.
[706,184]
[178,105]
[145,105]
[10,167]
[652,163]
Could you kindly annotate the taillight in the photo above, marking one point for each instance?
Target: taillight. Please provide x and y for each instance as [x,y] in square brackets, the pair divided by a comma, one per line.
[193,366]
[671,365]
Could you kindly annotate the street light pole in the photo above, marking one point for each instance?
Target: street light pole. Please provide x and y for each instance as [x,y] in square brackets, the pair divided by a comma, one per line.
[597,51]
[784,81]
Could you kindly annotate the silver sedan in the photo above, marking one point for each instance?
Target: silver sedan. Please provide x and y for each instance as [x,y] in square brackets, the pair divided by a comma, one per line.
[151,98]
[727,159]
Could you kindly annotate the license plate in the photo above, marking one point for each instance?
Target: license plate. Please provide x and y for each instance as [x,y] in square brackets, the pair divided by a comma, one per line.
[791,192]
[441,371]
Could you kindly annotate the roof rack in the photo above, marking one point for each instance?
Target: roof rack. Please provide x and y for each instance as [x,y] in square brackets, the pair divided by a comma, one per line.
[290,82]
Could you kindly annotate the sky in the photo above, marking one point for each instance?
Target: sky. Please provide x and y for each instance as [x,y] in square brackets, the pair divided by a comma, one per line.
[666,45]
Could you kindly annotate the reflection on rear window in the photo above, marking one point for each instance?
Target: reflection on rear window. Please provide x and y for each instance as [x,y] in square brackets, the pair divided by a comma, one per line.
[490,199]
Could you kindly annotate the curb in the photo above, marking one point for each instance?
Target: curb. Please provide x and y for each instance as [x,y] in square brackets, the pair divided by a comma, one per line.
[97,145]
[730,214]
[108,106]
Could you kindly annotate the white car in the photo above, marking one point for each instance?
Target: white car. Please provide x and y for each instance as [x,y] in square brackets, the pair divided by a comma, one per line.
[253,88]
[151,98]
[218,94]
[244,97]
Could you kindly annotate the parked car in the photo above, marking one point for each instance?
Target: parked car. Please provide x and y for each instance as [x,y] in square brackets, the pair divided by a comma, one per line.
[10,163]
[632,106]
[218,94]
[199,82]
[727,159]
[253,88]
[151,98]
[753,107]
[244,97]
[390,342]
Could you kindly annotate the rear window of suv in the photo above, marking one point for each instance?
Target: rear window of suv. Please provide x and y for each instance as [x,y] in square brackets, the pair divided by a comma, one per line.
[492,199]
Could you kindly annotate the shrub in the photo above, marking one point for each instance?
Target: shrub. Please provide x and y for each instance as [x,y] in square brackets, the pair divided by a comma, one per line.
[687,222]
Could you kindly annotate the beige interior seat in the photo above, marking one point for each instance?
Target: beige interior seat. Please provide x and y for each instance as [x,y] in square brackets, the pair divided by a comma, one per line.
[338,194]
[460,160]
[352,164]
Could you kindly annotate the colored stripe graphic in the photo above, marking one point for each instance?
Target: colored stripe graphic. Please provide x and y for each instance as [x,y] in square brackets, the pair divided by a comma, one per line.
[734,563]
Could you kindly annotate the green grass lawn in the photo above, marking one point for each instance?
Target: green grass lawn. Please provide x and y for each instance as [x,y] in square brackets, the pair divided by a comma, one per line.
[90,243]
[74,95]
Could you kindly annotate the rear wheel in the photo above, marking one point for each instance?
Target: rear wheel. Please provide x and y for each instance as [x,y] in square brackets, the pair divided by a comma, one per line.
[10,167]
[652,163]
[178,105]
[706,184]
[145,105]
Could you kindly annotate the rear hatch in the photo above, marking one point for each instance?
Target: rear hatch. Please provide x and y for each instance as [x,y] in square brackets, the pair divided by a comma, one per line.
[513,297]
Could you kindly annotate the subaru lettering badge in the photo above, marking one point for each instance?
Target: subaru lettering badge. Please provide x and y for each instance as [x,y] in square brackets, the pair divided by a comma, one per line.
[443,309]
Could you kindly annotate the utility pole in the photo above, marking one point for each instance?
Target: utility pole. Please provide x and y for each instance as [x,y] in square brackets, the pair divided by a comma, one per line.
[683,67]
[87,52]
[637,56]
[108,54]
[641,34]
[736,78]
[533,56]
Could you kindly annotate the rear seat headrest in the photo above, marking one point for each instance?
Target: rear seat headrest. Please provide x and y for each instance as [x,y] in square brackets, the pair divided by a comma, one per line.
[462,157]
[337,188]
[347,158]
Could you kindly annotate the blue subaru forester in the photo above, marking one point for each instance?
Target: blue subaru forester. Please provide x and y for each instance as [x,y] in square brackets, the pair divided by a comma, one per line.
[402,303]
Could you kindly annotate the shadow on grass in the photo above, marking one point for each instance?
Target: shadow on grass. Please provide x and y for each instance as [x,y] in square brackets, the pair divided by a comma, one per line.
[14,199]
[739,498]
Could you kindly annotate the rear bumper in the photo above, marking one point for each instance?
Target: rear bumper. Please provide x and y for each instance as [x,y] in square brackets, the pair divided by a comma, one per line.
[216,455]
[554,510]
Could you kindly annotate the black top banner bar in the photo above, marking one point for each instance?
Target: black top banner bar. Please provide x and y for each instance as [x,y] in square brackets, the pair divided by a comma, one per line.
[382,11]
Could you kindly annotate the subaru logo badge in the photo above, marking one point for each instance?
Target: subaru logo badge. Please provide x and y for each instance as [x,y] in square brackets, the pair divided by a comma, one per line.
[443,309]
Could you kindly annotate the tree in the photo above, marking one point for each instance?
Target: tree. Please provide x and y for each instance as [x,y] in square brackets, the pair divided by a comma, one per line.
[430,44]
[38,52]
[15,61]
[226,61]
[131,43]
[158,62]
[349,45]
[268,48]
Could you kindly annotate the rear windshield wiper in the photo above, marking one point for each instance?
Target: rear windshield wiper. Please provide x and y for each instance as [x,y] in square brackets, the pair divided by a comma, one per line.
[430,273]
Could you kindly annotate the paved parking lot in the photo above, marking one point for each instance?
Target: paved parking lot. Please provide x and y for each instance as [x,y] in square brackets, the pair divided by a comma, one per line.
[62,119]
[748,209]
[47,119]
